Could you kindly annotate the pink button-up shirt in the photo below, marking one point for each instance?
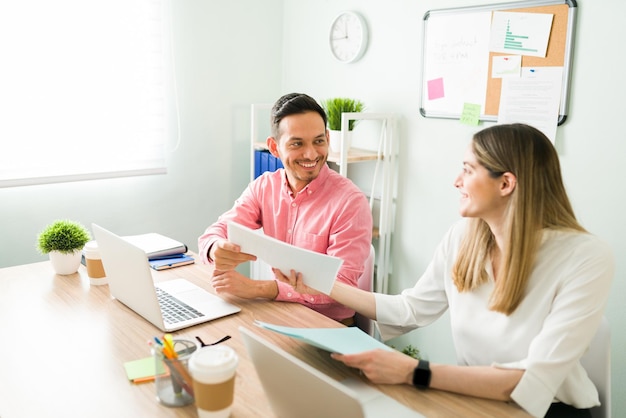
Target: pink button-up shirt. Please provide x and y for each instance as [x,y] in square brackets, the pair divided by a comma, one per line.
[330,215]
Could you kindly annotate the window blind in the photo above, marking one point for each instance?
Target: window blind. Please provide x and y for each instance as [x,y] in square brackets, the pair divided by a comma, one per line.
[83,90]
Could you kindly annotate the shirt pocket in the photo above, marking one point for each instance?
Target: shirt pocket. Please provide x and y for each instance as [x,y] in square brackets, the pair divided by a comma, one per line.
[313,242]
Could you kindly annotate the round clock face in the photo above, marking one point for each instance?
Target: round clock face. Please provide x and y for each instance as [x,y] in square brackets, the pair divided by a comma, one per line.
[348,37]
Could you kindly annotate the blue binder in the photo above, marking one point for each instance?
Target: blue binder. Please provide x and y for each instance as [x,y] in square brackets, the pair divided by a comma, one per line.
[265,161]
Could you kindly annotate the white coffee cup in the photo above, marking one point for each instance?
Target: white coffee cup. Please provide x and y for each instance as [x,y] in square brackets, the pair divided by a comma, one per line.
[213,371]
[93,262]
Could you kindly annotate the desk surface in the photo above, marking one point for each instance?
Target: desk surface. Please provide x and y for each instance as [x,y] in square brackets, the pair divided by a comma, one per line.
[64,343]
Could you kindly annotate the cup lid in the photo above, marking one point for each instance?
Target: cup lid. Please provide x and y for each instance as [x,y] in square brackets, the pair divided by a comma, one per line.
[91,245]
[91,250]
[213,362]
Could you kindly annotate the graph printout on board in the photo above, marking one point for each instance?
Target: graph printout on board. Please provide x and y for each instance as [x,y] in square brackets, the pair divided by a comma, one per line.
[520,33]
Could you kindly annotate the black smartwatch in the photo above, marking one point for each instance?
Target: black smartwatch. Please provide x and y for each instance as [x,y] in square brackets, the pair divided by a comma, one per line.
[421,375]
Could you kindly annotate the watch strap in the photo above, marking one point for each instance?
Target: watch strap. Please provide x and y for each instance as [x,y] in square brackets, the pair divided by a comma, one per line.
[421,374]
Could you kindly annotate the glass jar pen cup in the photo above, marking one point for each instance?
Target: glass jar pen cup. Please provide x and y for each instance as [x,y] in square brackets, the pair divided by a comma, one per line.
[173,382]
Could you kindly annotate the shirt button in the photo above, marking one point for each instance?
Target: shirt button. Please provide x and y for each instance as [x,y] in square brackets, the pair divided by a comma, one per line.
[312,299]
[289,294]
[293,205]
[289,231]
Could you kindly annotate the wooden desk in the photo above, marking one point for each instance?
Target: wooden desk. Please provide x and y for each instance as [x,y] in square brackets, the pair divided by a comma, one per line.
[64,343]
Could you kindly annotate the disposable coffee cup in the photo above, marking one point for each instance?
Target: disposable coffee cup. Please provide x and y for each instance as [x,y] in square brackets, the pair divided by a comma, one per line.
[93,262]
[213,371]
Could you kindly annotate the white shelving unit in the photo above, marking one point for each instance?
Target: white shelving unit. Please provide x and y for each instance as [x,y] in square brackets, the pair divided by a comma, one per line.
[257,142]
[384,177]
[384,180]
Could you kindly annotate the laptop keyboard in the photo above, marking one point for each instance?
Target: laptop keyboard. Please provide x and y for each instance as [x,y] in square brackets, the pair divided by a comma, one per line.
[174,310]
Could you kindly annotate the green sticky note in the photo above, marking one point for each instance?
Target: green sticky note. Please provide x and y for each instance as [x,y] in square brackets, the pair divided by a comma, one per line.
[142,368]
[471,114]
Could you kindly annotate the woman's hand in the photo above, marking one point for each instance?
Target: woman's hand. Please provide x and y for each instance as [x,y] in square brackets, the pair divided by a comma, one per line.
[295,280]
[381,366]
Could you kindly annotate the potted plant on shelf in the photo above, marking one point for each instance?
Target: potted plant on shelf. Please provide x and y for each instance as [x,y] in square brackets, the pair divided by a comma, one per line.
[334,108]
[63,241]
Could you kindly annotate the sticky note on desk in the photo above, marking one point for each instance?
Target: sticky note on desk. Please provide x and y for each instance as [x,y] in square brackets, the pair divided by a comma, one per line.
[141,370]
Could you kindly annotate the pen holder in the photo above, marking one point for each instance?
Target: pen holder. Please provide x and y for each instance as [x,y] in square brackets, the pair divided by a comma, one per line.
[174,386]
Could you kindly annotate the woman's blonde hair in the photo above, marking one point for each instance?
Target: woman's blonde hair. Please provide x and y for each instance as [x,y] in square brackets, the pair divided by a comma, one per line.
[538,201]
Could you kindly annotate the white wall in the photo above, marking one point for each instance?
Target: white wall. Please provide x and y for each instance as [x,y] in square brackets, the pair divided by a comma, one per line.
[591,142]
[222,67]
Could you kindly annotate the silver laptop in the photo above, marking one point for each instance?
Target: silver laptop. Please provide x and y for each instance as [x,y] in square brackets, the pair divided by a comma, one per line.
[296,389]
[169,305]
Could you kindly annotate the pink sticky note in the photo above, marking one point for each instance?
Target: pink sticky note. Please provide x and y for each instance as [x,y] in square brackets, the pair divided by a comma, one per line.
[435,89]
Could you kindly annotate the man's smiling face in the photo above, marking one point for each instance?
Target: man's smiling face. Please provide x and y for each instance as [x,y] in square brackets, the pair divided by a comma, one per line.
[302,147]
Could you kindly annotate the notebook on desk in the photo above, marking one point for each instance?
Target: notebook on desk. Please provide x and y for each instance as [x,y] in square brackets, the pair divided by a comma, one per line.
[170,305]
[296,389]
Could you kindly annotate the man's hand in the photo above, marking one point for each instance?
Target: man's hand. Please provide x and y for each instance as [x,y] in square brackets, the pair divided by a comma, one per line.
[227,256]
[237,284]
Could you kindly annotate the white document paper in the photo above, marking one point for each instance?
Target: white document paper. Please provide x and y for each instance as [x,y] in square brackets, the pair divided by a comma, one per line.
[520,33]
[506,66]
[533,99]
[319,271]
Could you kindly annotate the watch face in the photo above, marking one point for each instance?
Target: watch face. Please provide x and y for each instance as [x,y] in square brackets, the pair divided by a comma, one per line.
[348,37]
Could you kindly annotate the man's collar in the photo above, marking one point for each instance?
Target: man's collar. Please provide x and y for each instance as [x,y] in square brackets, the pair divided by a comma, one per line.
[314,184]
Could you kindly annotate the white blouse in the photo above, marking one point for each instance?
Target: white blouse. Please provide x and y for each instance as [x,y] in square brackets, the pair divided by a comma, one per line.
[546,335]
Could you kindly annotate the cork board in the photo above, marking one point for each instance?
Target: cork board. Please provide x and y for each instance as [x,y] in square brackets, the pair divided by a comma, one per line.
[456,56]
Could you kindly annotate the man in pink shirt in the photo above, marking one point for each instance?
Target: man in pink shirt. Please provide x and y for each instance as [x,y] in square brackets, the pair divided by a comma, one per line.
[306,204]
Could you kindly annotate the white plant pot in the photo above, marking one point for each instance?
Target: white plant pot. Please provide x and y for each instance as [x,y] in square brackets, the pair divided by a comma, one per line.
[65,263]
[335,141]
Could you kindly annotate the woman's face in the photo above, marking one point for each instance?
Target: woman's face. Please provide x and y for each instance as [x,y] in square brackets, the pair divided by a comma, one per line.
[481,195]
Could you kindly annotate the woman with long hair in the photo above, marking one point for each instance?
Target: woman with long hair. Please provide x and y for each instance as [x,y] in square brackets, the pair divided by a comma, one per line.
[525,285]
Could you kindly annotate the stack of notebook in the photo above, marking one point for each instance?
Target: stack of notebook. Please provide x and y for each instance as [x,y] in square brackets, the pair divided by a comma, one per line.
[163,252]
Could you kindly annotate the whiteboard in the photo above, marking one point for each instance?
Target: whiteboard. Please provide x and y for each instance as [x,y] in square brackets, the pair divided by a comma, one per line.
[456,57]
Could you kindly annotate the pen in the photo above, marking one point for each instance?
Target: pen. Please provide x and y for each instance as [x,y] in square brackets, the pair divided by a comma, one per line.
[144,379]
[168,347]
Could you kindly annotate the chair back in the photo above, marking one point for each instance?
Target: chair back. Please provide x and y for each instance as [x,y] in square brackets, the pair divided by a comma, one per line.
[366,282]
[597,363]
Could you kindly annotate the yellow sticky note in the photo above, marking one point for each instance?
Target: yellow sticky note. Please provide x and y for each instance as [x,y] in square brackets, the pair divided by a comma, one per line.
[471,114]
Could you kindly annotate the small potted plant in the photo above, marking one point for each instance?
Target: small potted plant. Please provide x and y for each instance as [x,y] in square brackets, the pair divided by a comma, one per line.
[63,241]
[334,108]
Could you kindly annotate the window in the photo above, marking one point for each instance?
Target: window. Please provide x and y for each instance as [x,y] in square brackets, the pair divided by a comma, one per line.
[83,89]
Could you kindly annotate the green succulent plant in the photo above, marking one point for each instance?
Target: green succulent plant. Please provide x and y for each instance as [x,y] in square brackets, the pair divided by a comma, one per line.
[64,236]
[336,106]
[409,350]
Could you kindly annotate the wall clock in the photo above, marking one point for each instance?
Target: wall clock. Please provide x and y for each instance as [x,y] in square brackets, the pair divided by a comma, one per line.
[348,37]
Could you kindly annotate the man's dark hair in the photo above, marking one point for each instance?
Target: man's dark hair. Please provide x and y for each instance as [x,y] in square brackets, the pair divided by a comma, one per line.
[291,104]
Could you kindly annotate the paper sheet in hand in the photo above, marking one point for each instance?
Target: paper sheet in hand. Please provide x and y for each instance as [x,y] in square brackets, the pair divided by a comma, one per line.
[319,271]
[349,340]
